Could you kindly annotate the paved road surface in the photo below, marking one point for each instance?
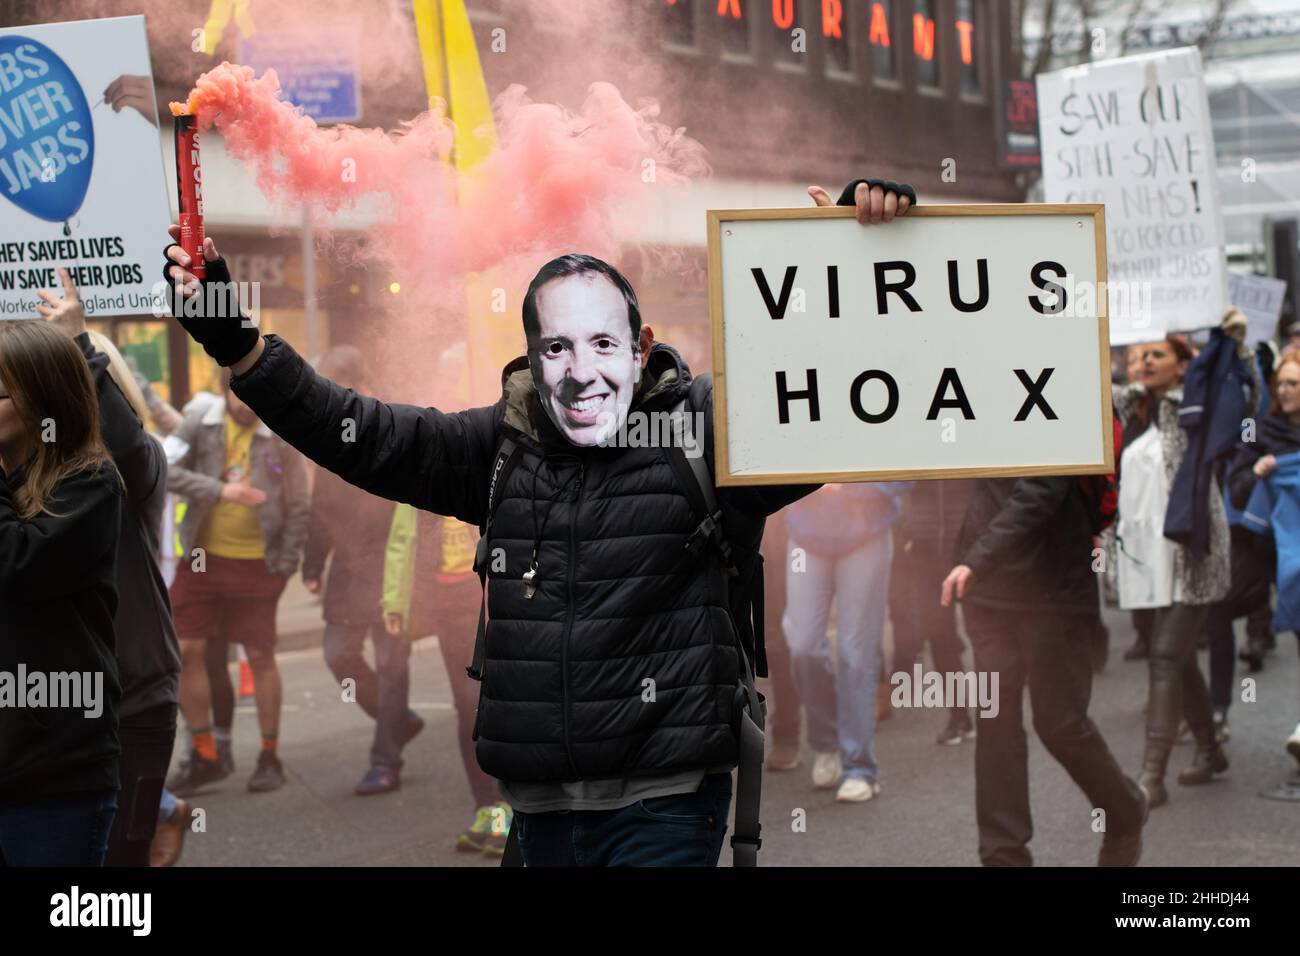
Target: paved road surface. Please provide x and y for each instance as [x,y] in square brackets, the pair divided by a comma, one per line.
[924,816]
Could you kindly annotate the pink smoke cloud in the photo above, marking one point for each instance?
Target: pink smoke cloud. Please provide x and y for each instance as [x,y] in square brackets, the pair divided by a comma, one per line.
[550,186]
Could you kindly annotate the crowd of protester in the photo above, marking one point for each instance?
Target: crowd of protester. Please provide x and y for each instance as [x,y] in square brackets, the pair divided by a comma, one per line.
[1199,534]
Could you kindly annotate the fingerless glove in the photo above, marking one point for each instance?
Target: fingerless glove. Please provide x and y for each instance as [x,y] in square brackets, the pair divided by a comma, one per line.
[212,316]
[888,185]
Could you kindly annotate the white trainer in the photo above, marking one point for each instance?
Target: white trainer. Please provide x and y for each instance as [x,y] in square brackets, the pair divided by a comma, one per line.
[1293,743]
[856,790]
[827,770]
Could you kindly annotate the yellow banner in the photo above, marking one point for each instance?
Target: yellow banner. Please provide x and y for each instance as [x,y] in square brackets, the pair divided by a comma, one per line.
[454,74]
[219,18]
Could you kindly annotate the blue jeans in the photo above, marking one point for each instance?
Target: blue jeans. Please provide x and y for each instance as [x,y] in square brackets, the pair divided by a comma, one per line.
[682,830]
[64,831]
[839,697]
[382,693]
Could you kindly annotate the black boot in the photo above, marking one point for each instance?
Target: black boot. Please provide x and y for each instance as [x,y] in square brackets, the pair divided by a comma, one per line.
[1207,762]
[1154,761]
[1253,654]
[1161,730]
[1154,788]
[1124,848]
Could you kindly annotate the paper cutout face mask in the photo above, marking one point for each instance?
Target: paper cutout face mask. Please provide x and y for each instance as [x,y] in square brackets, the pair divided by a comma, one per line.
[583,347]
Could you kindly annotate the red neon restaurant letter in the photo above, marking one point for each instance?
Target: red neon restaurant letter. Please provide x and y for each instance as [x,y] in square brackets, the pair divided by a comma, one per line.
[783,14]
[832,12]
[879,25]
[923,36]
[965,30]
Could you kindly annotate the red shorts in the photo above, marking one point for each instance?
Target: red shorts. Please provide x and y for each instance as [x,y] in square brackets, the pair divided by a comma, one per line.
[233,600]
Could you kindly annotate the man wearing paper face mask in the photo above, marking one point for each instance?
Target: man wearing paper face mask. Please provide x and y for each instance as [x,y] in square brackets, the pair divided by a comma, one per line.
[619,647]
[586,346]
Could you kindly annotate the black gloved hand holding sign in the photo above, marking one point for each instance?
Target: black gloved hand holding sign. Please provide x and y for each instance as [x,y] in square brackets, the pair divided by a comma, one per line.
[208,309]
[877,200]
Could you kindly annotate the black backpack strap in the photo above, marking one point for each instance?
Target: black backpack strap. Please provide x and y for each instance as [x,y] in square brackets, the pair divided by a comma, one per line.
[745,839]
[693,474]
[506,458]
[512,856]
[757,604]
[688,461]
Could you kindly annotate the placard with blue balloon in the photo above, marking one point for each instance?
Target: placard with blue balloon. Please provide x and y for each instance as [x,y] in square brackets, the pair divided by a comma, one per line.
[82,182]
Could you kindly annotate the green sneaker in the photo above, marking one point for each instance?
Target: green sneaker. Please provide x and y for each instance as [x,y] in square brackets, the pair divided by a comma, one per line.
[475,838]
[498,829]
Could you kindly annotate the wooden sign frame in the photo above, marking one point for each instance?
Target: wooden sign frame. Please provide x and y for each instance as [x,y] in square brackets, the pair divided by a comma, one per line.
[724,478]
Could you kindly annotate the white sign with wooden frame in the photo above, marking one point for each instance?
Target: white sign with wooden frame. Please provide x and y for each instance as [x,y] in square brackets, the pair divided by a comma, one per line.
[958,341]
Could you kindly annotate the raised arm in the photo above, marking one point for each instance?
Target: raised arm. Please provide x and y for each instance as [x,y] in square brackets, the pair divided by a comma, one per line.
[421,456]
[139,459]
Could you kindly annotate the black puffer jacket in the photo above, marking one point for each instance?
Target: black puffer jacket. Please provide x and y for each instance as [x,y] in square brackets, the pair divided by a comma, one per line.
[1029,542]
[619,599]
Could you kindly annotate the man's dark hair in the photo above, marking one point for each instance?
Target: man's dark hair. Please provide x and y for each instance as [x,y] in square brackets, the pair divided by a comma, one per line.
[571,265]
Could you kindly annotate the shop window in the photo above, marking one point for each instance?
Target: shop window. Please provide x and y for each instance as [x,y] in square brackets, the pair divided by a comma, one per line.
[835,29]
[882,36]
[925,44]
[679,23]
[734,21]
[970,39]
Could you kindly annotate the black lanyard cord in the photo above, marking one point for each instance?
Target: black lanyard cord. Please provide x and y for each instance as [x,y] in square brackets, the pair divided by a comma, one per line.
[538,531]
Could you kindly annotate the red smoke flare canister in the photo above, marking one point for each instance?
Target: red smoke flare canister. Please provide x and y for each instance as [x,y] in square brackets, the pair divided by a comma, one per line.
[189,191]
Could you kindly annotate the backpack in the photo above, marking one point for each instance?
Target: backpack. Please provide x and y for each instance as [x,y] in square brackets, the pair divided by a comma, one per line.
[1101,492]
[743,566]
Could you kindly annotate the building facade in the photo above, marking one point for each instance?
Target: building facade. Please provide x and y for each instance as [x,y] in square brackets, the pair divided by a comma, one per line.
[781,93]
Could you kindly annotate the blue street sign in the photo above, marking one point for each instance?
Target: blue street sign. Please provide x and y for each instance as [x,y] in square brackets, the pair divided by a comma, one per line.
[321,72]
